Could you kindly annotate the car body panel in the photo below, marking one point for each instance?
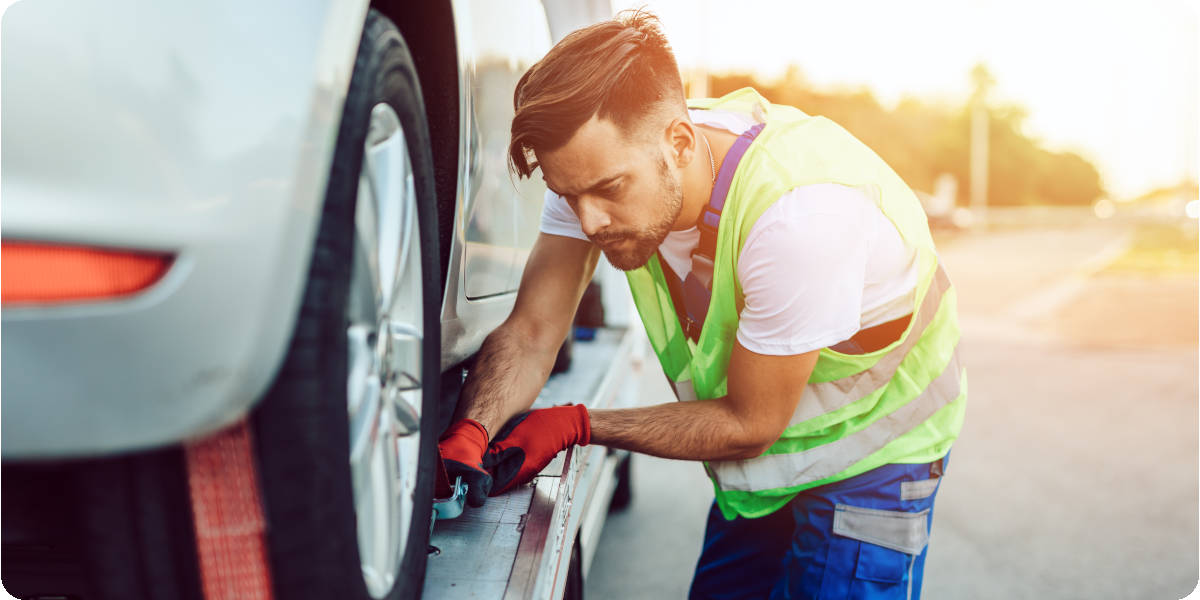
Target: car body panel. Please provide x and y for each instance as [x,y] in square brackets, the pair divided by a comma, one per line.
[202,130]
[498,42]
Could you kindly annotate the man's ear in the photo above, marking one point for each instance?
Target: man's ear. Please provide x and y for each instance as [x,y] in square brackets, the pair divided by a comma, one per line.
[681,139]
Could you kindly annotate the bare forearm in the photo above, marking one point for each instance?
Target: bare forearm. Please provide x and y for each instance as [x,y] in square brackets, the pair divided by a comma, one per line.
[696,430]
[508,374]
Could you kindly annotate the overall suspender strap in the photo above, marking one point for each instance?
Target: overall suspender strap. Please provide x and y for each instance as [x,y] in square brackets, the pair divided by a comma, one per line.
[675,288]
[697,287]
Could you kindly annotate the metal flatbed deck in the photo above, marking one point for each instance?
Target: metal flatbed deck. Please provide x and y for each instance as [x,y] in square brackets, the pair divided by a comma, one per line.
[520,545]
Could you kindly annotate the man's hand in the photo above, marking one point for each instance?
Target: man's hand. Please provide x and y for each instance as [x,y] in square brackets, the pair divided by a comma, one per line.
[462,448]
[530,440]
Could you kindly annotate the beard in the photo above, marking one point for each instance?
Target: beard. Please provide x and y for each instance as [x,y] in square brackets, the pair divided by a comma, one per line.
[630,249]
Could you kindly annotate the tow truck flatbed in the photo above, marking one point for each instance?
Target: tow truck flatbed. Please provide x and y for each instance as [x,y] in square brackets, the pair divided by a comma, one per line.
[537,541]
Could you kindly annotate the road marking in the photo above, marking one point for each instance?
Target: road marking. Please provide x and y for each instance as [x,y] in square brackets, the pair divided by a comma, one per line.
[1047,299]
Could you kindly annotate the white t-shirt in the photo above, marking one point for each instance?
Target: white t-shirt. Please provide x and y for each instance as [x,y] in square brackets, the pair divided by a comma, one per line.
[820,264]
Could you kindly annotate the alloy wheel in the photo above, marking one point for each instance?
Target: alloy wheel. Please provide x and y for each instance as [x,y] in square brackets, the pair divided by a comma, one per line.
[384,335]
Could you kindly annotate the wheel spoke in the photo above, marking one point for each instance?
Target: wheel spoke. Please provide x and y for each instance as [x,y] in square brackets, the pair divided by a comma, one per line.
[364,426]
[359,355]
[409,242]
[377,509]
[366,255]
[385,164]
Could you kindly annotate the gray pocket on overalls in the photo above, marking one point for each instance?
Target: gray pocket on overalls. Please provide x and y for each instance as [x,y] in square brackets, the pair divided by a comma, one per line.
[906,532]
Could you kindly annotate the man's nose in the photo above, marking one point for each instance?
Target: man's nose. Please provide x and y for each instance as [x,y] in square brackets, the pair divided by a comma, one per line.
[592,218]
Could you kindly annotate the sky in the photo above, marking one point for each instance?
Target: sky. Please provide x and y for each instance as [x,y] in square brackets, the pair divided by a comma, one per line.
[1115,81]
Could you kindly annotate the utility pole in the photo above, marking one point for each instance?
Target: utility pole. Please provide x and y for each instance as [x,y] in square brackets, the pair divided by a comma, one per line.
[982,81]
[700,82]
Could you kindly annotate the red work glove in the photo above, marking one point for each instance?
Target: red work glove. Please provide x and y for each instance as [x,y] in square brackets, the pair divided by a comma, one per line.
[529,441]
[462,448]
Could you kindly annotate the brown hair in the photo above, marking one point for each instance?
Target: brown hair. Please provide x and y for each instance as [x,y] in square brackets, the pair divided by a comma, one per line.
[621,69]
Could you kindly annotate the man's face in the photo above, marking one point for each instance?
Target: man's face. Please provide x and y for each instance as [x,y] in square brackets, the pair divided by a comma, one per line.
[620,186]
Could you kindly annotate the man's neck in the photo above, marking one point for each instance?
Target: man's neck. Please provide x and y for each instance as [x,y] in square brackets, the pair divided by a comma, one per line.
[699,178]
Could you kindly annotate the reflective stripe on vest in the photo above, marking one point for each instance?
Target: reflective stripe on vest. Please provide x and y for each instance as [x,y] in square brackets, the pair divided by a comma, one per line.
[684,391]
[828,396]
[771,471]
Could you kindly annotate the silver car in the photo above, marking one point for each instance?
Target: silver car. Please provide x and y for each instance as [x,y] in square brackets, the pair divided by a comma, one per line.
[247,247]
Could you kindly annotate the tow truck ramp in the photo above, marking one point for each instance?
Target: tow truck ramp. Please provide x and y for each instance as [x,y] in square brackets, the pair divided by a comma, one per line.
[538,541]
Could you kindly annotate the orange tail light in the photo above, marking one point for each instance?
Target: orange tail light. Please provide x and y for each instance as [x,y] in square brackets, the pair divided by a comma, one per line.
[35,273]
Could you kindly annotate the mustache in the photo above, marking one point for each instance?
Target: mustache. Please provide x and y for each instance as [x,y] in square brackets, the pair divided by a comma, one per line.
[609,237]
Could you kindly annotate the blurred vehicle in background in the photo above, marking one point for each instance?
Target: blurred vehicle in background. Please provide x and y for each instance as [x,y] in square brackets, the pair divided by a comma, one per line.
[940,206]
[247,248]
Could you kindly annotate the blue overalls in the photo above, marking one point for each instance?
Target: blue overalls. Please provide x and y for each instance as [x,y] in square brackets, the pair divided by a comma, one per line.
[862,537]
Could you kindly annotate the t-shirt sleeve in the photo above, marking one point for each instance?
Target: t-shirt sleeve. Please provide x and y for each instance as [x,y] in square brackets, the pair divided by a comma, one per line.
[802,270]
[559,219]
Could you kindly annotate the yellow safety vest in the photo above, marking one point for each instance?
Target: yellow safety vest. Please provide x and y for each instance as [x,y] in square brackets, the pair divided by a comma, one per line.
[900,404]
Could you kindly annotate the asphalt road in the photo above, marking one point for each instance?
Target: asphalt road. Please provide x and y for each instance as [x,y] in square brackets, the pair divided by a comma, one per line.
[1076,472]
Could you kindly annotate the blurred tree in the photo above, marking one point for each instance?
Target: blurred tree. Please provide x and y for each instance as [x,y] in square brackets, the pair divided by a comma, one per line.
[1066,178]
[1013,158]
[921,140]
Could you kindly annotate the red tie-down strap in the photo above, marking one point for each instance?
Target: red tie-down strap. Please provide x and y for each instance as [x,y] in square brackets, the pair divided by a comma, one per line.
[228,516]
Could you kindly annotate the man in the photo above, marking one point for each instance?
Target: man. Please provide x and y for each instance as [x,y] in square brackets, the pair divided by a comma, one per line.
[790,288]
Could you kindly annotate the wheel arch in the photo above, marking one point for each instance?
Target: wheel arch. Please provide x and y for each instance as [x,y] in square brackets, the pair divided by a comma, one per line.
[428,29]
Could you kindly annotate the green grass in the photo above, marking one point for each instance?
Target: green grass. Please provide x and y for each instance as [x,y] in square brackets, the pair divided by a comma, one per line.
[1160,249]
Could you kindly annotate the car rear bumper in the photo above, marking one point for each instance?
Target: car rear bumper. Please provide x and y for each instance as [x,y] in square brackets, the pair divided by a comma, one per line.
[204,131]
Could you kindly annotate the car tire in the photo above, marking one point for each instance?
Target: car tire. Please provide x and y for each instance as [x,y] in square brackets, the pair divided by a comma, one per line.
[302,428]
[562,360]
[100,528]
[573,588]
[623,492]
